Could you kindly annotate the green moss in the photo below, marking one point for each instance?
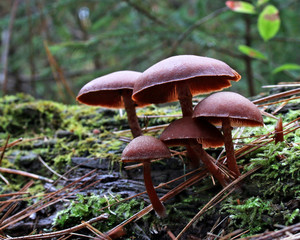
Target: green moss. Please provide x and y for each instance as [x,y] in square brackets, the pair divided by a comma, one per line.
[257,214]
[271,188]
[280,175]
[269,192]
[86,207]
[17,98]
[254,214]
[30,117]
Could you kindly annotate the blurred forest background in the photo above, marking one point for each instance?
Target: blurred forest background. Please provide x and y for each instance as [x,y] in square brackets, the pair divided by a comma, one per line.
[50,49]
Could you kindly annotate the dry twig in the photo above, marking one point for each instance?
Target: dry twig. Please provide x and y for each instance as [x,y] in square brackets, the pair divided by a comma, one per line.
[26,174]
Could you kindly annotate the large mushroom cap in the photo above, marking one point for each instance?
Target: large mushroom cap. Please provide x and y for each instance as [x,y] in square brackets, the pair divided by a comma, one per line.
[202,74]
[240,110]
[106,91]
[145,148]
[182,130]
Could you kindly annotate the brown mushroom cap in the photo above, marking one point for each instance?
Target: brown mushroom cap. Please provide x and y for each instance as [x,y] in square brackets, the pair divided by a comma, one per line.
[145,148]
[240,110]
[182,130]
[106,91]
[202,74]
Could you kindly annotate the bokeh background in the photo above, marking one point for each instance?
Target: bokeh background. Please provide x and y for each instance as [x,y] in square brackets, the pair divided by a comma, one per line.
[50,49]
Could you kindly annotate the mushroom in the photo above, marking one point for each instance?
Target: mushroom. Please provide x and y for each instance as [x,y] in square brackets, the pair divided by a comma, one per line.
[197,134]
[114,90]
[144,149]
[229,109]
[181,77]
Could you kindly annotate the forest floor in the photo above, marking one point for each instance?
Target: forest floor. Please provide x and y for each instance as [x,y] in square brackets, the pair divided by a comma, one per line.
[61,176]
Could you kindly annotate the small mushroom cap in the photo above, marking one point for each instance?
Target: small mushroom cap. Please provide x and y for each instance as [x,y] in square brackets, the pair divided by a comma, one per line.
[145,148]
[240,110]
[106,91]
[182,130]
[202,74]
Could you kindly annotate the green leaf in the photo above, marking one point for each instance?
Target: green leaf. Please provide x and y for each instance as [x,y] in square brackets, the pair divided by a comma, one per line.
[251,52]
[287,66]
[261,2]
[268,22]
[241,7]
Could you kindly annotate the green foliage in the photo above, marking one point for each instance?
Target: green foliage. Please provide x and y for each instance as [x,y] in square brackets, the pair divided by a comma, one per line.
[241,7]
[292,217]
[268,22]
[261,2]
[251,52]
[285,67]
[281,171]
[270,192]
[92,38]
[280,175]
[257,214]
[254,214]
[86,207]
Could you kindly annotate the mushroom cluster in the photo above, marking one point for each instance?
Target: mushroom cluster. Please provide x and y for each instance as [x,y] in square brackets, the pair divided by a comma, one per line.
[178,78]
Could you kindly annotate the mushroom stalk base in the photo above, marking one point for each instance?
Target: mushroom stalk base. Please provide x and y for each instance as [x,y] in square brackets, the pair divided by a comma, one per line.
[131,114]
[231,161]
[156,203]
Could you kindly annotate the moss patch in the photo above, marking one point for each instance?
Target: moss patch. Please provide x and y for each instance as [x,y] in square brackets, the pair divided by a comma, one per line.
[57,133]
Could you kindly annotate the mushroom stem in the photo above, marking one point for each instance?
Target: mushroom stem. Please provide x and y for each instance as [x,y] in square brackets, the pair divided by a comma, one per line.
[231,161]
[116,233]
[185,98]
[156,203]
[194,159]
[209,162]
[278,137]
[131,114]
